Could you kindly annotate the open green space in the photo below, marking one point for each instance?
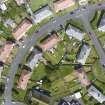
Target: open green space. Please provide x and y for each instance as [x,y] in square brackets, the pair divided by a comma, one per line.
[96,19]
[38,3]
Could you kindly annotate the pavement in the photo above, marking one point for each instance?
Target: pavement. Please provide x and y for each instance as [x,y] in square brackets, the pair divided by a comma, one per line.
[30,41]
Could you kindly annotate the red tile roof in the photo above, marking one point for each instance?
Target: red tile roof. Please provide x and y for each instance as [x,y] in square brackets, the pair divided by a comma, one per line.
[50,42]
[24,78]
[6,50]
[20,31]
[62,4]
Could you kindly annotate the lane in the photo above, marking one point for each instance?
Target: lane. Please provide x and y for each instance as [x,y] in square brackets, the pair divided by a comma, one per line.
[52,25]
[94,39]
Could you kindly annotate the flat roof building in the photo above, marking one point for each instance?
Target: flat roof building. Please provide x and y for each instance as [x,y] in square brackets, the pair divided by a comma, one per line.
[101,26]
[24,78]
[74,32]
[6,50]
[94,92]
[50,42]
[59,5]
[20,31]
[42,13]
[83,54]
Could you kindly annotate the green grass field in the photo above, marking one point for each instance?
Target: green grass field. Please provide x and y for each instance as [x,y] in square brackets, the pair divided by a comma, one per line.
[36,4]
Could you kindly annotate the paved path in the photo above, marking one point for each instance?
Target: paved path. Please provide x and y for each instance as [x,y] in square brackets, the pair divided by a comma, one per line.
[52,25]
[94,39]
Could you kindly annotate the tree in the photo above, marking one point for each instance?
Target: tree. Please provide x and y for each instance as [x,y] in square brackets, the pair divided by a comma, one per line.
[2,88]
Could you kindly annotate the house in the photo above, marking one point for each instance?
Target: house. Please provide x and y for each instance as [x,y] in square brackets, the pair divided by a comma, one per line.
[59,5]
[42,13]
[5,51]
[83,54]
[101,26]
[24,77]
[74,99]
[10,23]
[50,42]
[33,59]
[41,95]
[3,6]
[19,2]
[20,31]
[94,92]
[81,75]
[74,32]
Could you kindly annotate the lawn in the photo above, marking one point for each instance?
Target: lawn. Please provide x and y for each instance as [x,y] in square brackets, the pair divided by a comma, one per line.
[96,19]
[98,72]
[38,72]
[36,4]
[14,11]
[58,53]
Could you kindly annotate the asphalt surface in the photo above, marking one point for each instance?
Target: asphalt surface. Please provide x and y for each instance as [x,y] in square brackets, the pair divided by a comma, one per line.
[52,25]
[94,39]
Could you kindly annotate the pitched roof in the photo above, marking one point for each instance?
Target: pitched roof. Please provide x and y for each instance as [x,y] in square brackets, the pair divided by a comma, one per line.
[83,54]
[74,32]
[6,50]
[42,95]
[96,94]
[20,31]
[62,4]
[35,55]
[24,78]
[42,13]
[50,42]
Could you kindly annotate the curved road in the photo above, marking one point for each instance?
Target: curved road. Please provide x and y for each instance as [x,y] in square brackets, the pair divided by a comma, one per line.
[30,41]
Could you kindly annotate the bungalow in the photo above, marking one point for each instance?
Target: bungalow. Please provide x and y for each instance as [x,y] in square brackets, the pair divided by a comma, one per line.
[41,95]
[19,2]
[94,92]
[24,78]
[42,13]
[74,32]
[101,26]
[20,31]
[59,5]
[6,50]
[81,75]
[50,42]
[74,99]
[33,59]
[83,54]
